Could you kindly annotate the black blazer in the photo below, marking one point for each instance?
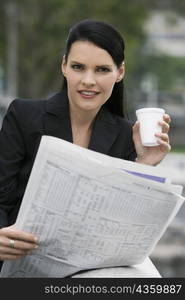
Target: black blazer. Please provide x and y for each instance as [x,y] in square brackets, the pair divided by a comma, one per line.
[23,126]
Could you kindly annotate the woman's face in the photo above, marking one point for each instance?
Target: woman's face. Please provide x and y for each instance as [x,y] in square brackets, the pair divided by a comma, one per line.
[91,74]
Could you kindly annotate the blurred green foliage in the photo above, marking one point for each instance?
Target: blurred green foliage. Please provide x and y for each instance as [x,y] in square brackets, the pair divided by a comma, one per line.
[42,31]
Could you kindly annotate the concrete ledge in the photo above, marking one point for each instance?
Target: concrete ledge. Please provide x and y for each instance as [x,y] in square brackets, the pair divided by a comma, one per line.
[145,269]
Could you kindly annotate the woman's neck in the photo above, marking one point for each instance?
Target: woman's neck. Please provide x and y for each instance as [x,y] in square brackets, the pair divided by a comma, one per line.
[82,119]
[82,124]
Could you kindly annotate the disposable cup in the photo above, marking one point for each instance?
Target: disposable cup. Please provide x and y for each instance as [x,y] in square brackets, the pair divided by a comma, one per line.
[149,124]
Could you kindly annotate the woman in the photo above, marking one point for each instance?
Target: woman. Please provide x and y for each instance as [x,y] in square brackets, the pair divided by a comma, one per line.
[88,112]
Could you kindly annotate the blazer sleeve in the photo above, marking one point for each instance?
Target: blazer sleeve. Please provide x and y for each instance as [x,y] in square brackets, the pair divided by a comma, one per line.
[12,152]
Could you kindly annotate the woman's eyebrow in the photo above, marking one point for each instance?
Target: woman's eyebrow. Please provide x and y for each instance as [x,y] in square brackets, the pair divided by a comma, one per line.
[77,62]
[104,66]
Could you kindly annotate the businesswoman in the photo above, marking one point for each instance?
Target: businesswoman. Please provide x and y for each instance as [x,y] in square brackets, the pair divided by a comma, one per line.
[88,112]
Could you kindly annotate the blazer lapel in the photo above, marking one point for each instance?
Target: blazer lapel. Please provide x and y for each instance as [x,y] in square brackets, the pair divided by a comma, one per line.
[105,131]
[57,123]
[57,119]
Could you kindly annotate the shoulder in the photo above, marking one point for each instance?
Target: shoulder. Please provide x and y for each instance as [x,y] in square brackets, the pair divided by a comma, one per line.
[25,108]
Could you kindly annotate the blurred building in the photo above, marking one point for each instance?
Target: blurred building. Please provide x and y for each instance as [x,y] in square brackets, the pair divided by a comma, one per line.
[166,36]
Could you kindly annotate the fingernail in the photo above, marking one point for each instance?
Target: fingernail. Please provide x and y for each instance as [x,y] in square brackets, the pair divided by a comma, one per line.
[36,246]
[36,239]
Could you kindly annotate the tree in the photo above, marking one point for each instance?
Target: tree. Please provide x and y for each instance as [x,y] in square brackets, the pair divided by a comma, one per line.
[43,27]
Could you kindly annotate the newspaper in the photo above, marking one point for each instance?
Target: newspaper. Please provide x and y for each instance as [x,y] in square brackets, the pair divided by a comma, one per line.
[90,211]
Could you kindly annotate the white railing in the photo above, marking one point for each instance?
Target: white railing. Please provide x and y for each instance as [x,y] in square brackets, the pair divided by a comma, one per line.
[5,101]
[145,269]
[175,164]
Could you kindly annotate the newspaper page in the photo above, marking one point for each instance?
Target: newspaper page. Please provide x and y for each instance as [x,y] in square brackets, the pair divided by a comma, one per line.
[90,211]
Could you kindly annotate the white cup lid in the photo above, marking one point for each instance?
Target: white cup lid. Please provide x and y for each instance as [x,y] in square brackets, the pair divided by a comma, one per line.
[150,109]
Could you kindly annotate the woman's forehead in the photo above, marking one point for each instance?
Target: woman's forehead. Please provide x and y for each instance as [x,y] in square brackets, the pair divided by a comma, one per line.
[85,51]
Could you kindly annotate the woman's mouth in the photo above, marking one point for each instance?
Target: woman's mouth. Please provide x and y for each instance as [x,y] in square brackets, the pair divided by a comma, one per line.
[88,94]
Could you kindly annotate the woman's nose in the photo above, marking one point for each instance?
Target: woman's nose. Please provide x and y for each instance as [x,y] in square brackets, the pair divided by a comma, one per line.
[88,79]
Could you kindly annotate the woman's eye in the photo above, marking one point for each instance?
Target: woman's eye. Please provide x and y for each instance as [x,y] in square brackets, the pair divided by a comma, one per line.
[76,67]
[103,69]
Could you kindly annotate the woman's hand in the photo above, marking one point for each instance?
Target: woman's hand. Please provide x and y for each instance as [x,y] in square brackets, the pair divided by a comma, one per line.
[15,243]
[152,155]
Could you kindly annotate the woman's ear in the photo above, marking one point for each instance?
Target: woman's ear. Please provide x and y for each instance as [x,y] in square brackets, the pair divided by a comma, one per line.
[63,65]
[121,72]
